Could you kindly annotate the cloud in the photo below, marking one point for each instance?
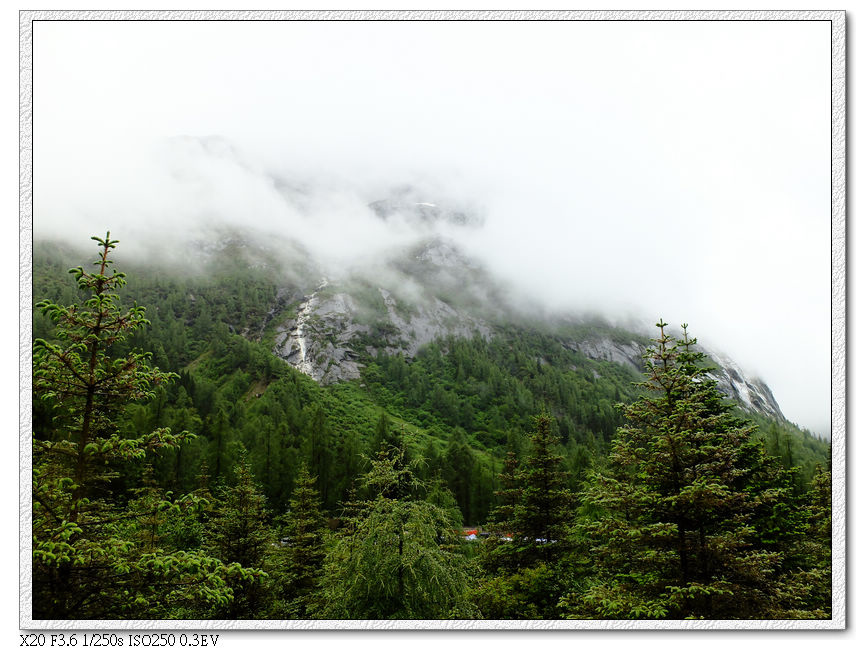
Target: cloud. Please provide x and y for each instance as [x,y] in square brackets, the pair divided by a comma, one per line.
[637,169]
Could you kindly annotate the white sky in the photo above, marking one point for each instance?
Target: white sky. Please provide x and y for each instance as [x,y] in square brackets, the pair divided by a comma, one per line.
[671,168]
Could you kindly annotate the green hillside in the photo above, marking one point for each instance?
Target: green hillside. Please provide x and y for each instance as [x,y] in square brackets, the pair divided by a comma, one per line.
[464,412]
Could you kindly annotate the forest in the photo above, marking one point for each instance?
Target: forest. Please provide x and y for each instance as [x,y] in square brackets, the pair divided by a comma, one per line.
[182,471]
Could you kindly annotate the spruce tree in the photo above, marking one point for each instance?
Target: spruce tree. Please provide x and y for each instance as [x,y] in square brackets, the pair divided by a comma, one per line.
[459,470]
[238,534]
[685,486]
[545,511]
[238,530]
[536,507]
[319,449]
[384,433]
[523,558]
[88,561]
[298,558]
[508,497]
[807,586]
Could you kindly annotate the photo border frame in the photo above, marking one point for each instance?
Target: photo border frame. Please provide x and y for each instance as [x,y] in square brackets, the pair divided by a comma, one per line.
[838,27]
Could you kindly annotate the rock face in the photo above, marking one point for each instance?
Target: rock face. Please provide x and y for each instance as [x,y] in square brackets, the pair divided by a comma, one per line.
[412,206]
[316,341]
[321,340]
[339,319]
[431,291]
[752,394]
[431,322]
[605,349]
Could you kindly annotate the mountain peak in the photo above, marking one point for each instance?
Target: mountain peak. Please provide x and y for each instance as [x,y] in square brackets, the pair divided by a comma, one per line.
[412,206]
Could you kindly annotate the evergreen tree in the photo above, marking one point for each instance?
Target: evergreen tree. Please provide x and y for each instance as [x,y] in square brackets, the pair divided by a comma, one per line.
[152,504]
[523,557]
[394,559]
[545,511]
[384,433]
[807,587]
[238,534]
[509,497]
[219,437]
[238,529]
[320,452]
[676,537]
[85,562]
[535,505]
[459,472]
[297,560]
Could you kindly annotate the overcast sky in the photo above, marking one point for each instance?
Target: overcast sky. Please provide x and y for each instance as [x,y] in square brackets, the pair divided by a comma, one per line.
[675,169]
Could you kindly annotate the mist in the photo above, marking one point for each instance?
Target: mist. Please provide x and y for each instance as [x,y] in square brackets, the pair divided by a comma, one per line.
[633,169]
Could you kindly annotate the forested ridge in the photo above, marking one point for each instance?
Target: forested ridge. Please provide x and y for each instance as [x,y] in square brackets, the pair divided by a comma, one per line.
[226,484]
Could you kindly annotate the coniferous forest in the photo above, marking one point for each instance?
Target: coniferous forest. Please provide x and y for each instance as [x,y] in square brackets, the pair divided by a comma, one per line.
[182,471]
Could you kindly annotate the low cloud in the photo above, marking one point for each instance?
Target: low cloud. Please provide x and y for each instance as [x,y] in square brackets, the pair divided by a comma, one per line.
[634,170]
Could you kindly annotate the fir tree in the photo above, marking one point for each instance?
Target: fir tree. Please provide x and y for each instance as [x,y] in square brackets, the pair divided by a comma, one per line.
[459,470]
[299,557]
[545,511]
[677,538]
[509,496]
[384,433]
[238,534]
[86,563]
[522,558]
[497,553]
[238,529]
[807,586]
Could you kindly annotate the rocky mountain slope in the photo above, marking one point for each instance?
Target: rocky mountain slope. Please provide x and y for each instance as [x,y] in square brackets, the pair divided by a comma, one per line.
[433,291]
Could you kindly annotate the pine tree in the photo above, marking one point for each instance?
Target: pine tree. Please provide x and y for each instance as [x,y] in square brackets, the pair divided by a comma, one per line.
[86,563]
[677,537]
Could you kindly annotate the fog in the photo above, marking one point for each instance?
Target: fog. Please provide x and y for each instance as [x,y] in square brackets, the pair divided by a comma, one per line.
[675,169]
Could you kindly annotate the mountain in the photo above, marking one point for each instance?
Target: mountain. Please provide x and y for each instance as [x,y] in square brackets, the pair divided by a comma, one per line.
[434,290]
[299,360]
[325,322]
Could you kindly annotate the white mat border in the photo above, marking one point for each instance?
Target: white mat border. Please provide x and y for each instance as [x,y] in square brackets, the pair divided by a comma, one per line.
[838,325]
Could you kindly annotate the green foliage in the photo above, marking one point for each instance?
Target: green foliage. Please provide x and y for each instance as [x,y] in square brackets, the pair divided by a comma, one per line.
[125,522]
[524,593]
[237,529]
[238,533]
[295,563]
[541,518]
[794,448]
[807,587]
[86,564]
[392,558]
[524,556]
[488,387]
[536,507]
[681,504]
